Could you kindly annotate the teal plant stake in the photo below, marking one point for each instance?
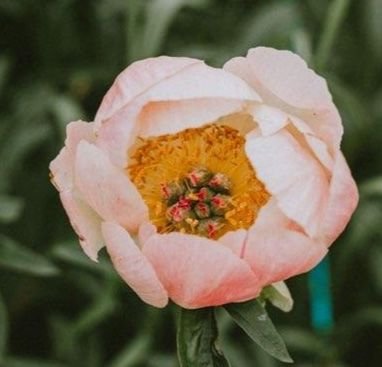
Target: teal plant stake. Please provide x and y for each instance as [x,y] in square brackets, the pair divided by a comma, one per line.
[320,297]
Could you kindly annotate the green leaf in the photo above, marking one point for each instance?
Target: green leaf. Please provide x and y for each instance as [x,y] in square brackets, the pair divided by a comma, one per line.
[372,24]
[26,362]
[10,208]
[71,253]
[335,16]
[253,319]
[65,109]
[13,256]
[3,329]
[196,339]
[372,187]
[4,71]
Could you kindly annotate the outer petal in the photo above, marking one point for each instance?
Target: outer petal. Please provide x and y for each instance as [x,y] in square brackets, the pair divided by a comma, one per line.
[283,80]
[62,166]
[198,272]
[192,97]
[343,199]
[84,220]
[290,174]
[138,78]
[235,240]
[275,251]
[108,190]
[132,266]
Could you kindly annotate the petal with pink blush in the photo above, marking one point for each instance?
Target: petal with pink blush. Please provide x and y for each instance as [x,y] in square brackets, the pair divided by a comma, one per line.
[85,222]
[201,81]
[235,240]
[194,96]
[283,80]
[108,190]
[61,169]
[158,118]
[321,152]
[118,133]
[275,252]
[343,199]
[146,230]
[198,272]
[62,166]
[292,175]
[137,78]
[270,119]
[133,266]
[77,131]
[284,74]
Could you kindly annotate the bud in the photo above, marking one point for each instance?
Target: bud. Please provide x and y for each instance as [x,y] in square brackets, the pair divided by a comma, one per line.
[199,177]
[219,204]
[202,210]
[172,191]
[204,194]
[178,213]
[220,183]
[210,227]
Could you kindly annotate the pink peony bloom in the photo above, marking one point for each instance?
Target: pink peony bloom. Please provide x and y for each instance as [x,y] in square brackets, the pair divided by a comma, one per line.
[205,185]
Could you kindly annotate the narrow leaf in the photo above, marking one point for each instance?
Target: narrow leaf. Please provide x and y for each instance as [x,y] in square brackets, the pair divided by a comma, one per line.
[253,319]
[10,208]
[26,362]
[13,256]
[3,329]
[196,339]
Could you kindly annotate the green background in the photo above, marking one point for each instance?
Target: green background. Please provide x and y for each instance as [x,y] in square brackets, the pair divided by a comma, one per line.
[57,59]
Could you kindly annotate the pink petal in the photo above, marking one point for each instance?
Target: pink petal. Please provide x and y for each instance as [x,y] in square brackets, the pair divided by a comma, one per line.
[62,166]
[321,152]
[133,266]
[198,272]
[291,175]
[77,131]
[108,190]
[270,119]
[194,96]
[85,222]
[159,118]
[343,199]
[146,230]
[283,80]
[118,133]
[235,240]
[61,169]
[275,251]
[138,78]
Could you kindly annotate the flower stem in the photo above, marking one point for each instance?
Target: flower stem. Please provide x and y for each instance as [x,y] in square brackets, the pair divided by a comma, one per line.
[196,339]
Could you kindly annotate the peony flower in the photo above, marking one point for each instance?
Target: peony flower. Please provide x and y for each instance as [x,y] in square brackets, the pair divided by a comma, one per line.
[206,185]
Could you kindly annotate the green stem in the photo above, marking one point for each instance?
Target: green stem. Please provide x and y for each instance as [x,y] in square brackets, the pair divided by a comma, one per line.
[334,18]
[196,339]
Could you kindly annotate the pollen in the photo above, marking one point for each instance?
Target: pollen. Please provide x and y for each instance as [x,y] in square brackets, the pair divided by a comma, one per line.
[198,181]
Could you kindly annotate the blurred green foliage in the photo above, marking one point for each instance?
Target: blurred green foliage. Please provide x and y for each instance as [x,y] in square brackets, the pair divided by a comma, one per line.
[57,59]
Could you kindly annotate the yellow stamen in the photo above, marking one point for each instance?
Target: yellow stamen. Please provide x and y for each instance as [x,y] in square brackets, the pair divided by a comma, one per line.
[169,158]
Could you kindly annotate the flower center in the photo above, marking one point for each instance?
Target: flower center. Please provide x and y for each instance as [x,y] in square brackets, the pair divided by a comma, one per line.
[198,181]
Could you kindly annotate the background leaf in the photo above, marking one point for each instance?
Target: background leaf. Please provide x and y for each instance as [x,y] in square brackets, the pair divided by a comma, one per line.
[19,258]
